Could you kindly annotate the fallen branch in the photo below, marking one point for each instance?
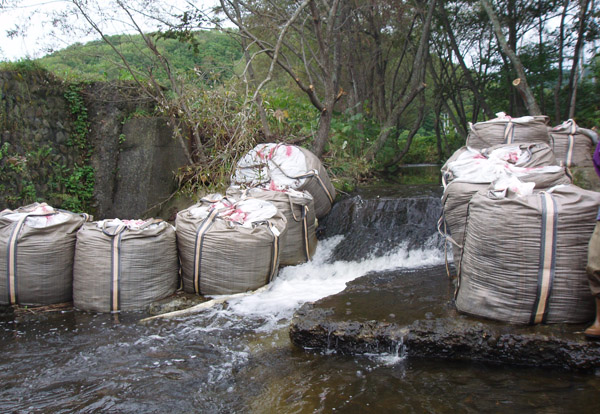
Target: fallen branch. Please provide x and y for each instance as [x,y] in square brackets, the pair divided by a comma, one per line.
[204,305]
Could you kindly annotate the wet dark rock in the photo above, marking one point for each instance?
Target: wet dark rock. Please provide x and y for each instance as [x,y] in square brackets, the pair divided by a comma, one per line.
[379,217]
[414,311]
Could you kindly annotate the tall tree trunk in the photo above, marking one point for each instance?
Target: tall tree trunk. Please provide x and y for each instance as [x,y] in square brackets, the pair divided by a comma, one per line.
[561,46]
[517,106]
[322,134]
[467,73]
[438,130]
[541,98]
[416,125]
[528,96]
[417,86]
[459,125]
[576,57]
[250,68]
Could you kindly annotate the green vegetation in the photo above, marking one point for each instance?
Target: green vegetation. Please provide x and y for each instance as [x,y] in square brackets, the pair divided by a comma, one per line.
[367,88]
[78,181]
[214,60]
[36,172]
[24,66]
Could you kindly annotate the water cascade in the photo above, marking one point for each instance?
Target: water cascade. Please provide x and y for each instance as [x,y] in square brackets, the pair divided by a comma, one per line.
[237,357]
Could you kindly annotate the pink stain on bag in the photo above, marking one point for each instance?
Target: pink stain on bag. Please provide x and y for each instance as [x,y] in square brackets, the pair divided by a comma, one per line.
[274,187]
[236,215]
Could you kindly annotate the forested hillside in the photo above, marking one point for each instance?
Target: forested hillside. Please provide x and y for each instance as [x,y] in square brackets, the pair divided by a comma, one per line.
[367,86]
[213,53]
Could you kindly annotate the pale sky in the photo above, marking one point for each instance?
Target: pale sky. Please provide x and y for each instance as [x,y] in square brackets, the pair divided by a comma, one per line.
[44,32]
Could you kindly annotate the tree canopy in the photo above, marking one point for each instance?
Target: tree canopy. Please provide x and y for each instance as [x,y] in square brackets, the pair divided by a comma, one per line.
[366,84]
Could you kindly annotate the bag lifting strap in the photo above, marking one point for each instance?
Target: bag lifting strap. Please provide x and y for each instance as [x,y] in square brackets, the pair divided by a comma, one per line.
[304,218]
[570,144]
[305,231]
[274,252]
[116,234]
[547,265]
[11,268]
[200,233]
[509,133]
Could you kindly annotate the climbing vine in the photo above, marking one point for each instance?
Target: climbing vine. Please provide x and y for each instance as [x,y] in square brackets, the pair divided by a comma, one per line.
[77,182]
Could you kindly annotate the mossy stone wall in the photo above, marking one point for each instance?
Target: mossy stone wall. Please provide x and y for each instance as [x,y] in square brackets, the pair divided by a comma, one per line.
[42,157]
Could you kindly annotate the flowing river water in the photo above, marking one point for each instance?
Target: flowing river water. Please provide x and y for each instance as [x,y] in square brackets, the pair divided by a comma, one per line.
[237,357]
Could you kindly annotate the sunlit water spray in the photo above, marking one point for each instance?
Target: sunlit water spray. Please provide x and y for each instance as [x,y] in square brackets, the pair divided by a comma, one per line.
[273,308]
[252,324]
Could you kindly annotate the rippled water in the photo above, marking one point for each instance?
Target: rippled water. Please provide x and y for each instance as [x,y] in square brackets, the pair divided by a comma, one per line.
[238,358]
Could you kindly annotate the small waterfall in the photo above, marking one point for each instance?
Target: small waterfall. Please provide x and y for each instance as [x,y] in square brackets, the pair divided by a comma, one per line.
[369,232]
[375,224]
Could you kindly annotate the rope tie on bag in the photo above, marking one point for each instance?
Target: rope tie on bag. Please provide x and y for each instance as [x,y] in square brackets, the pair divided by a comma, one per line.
[11,268]
[200,233]
[570,144]
[304,219]
[305,231]
[115,260]
[509,132]
[447,238]
[547,263]
[462,252]
[274,252]
[311,174]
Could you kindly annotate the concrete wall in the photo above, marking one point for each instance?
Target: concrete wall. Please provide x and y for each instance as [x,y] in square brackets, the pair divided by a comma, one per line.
[134,157]
[148,161]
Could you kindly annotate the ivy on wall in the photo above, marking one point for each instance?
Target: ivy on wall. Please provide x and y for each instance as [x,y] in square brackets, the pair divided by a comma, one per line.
[35,165]
[78,180]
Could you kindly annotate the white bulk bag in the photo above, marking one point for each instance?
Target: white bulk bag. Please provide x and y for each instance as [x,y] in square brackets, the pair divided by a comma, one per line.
[124,265]
[37,245]
[228,246]
[287,166]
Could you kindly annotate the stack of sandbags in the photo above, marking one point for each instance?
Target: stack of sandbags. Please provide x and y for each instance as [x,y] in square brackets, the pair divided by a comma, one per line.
[520,167]
[525,256]
[507,130]
[300,241]
[286,166]
[37,245]
[124,265]
[228,246]
[572,145]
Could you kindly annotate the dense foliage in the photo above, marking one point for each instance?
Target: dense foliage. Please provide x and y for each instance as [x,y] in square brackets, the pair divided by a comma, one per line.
[214,57]
[367,85]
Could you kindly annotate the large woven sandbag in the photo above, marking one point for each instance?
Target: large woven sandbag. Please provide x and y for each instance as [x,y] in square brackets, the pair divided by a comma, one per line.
[455,203]
[124,265]
[300,241]
[507,130]
[573,145]
[228,246]
[287,166]
[37,244]
[524,257]
[469,171]
[513,158]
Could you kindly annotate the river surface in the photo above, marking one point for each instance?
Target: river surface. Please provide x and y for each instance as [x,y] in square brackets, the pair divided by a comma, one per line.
[237,358]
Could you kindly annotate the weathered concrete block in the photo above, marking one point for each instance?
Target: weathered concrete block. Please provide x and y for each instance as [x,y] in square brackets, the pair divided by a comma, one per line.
[413,310]
[148,161]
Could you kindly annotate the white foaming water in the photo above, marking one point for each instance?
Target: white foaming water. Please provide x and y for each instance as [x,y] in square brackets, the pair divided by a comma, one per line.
[316,279]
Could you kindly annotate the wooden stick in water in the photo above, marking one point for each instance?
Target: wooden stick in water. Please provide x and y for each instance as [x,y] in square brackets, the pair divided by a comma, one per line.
[204,305]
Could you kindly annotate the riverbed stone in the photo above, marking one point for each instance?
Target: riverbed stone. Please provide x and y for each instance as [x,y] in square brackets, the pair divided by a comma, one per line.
[413,313]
